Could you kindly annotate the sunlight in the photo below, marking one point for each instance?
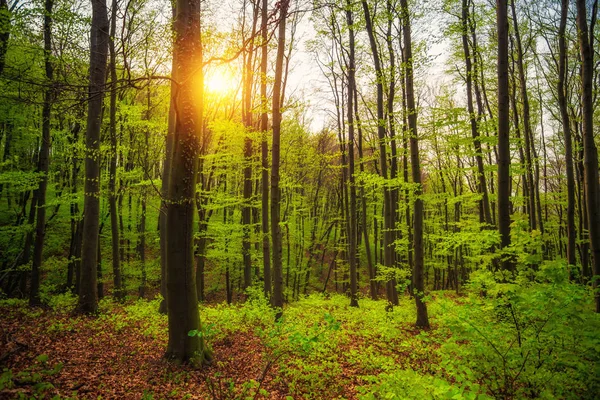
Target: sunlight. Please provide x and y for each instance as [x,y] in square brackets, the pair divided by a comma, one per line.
[220,80]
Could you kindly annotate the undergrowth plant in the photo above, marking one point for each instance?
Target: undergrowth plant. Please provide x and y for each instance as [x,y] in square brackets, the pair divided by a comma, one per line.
[535,340]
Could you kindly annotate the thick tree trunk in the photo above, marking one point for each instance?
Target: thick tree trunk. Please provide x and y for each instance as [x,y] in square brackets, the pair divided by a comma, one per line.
[590,152]
[182,304]
[88,291]
[503,132]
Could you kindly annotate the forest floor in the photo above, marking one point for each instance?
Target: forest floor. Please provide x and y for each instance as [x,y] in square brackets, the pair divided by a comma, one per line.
[322,349]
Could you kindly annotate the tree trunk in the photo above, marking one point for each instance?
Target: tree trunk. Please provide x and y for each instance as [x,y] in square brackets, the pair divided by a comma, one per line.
[352,217]
[503,132]
[4,32]
[484,204]
[248,156]
[44,160]
[590,152]
[112,187]
[564,112]
[88,291]
[422,318]
[527,131]
[182,304]
[264,127]
[388,255]
[277,299]
[365,225]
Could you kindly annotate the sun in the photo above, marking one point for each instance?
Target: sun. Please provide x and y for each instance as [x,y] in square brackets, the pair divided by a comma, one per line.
[220,80]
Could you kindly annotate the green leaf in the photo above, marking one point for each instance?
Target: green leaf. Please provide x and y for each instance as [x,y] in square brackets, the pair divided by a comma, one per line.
[42,358]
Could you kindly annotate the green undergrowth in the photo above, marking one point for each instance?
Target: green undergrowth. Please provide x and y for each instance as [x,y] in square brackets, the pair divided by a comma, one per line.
[535,339]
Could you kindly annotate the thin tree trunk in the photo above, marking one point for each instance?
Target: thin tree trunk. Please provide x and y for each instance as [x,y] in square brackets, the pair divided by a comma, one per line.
[112,187]
[528,133]
[388,256]
[422,318]
[264,126]
[484,204]
[352,251]
[44,160]
[277,298]
[248,156]
[5,26]
[562,101]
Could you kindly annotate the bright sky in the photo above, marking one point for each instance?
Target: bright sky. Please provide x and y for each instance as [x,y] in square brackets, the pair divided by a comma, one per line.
[305,80]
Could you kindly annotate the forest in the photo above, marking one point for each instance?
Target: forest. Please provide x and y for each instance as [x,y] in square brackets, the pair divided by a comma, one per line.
[299,199]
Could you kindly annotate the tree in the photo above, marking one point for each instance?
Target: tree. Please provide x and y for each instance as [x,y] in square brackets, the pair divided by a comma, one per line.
[264,122]
[43,160]
[247,89]
[388,214]
[503,132]
[182,299]
[88,291]
[277,299]
[5,25]
[352,217]
[590,152]
[528,133]
[566,125]
[112,187]
[422,318]
[484,204]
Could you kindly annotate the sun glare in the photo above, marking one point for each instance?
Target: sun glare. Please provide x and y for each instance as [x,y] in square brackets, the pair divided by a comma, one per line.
[220,80]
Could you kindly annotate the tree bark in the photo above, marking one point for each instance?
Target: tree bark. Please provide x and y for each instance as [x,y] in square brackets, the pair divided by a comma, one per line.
[164,189]
[264,127]
[422,318]
[590,152]
[277,299]
[484,204]
[4,32]
[503,132]
[564,112]
[352,217]
[112,187]
[88,291]
[182,304]
[44,159]
[527,131]
[388,255]
[248,156]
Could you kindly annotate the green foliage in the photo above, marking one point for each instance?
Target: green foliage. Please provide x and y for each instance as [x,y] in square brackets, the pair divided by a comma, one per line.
[34,377]
[408,384]
[145,313]
[536,341]
[63,302]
